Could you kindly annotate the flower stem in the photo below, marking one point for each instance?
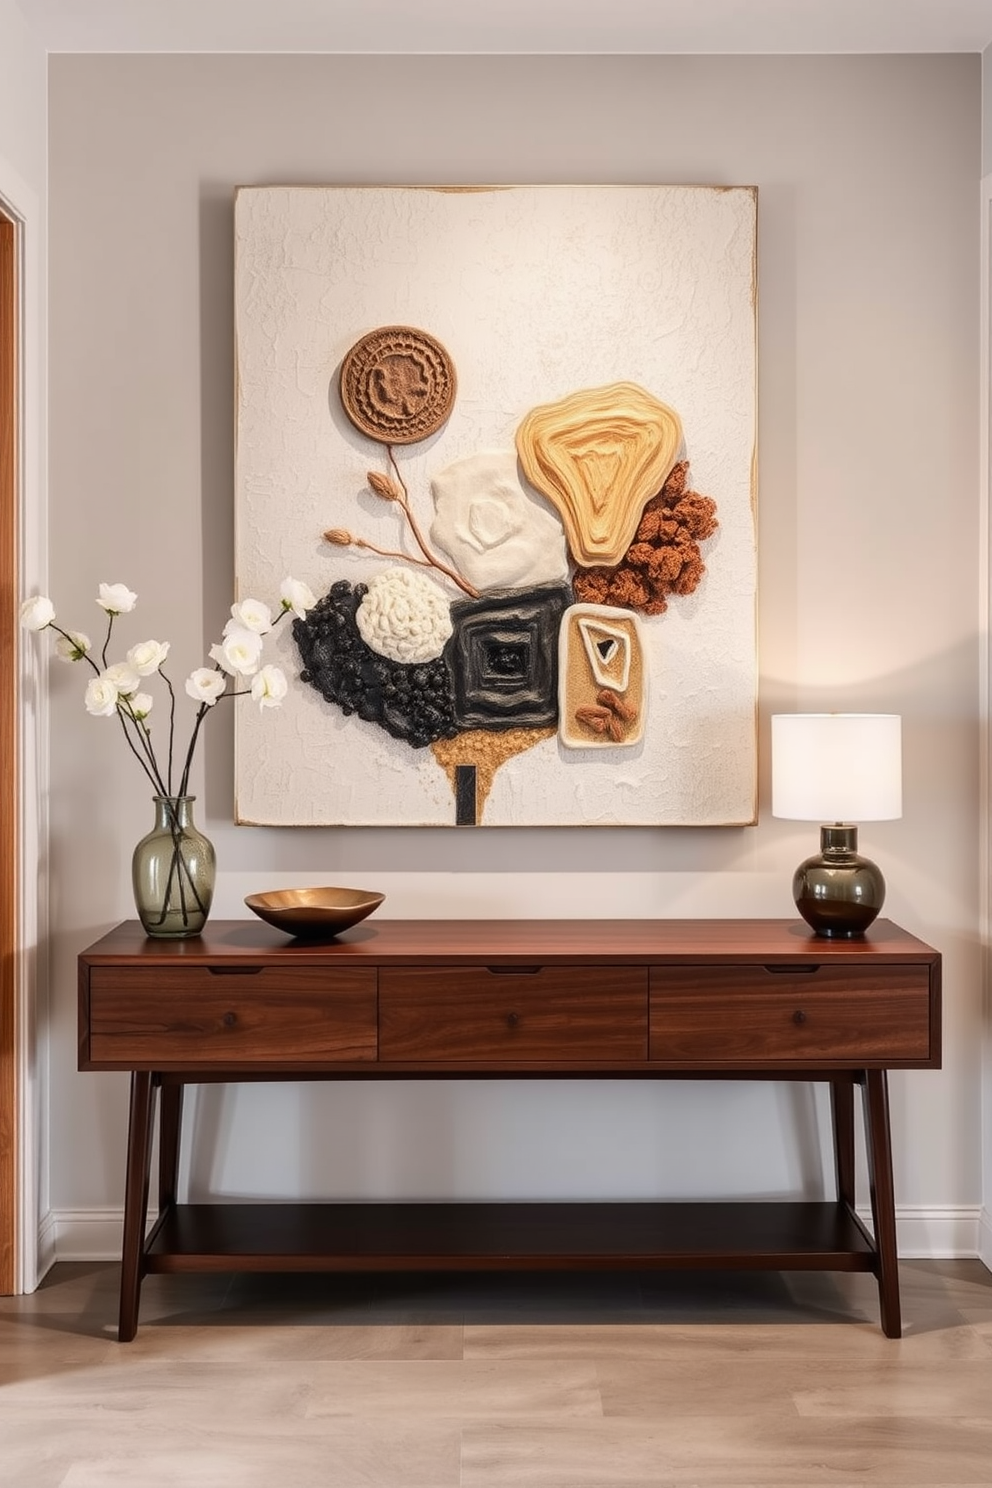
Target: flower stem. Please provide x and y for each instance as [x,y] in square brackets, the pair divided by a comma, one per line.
[152,773]
[172,721]
[201,713]
[106,643]
[67,637]
[177,867]
[144,737]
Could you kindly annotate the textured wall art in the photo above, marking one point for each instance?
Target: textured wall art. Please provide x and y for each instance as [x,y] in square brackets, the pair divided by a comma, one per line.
[507,436]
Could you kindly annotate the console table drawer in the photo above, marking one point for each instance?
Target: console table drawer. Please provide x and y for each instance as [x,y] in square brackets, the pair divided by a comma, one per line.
[557,1014]
[755,1014]
[229,1016]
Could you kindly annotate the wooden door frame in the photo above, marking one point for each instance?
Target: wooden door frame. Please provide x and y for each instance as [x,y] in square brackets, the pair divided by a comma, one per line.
[23,752]
[10,403]
[985,711]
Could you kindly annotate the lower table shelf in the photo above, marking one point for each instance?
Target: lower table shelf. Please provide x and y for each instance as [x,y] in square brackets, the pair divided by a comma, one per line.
[509,1236]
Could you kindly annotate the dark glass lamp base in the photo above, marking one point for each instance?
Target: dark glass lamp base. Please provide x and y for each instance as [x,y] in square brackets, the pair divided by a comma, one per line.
[838,892]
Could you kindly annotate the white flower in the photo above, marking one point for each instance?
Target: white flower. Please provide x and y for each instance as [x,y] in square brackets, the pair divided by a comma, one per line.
[269,687]
[116,689]
[296,596]
[73,646]
[37,612]
[101,697]
[205,685]
[147,656]
[238,652]
[404,616]
[250,614]
[116,599]
[122,676]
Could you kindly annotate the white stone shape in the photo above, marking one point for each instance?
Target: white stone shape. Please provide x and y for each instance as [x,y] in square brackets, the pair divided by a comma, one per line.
[497,534]
[404,616]
[608,650]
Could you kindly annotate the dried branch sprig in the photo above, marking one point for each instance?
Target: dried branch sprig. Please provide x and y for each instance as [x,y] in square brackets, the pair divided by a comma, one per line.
[339,537]
[389,490]
[384,487]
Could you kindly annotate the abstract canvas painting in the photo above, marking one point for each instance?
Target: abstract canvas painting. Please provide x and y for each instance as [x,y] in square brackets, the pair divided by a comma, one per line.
[507,437]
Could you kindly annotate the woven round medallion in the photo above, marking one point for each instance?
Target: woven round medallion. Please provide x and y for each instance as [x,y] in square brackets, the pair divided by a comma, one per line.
[397,385]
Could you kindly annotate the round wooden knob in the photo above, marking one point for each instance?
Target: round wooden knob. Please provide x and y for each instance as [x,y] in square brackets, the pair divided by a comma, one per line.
[230,1019]
[799,1016]
[512,1019]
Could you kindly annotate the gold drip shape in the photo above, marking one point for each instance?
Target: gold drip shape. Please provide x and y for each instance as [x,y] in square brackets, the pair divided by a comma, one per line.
[599,455]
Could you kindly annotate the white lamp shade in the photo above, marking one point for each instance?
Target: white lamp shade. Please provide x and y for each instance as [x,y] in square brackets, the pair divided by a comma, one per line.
[837,767]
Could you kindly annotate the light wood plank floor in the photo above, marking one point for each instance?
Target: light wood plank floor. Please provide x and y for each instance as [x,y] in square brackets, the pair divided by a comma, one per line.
[610,1381]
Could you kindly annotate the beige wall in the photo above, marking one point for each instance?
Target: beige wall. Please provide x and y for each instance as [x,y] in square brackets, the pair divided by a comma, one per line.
[986,111]
[23,67]
[867,171]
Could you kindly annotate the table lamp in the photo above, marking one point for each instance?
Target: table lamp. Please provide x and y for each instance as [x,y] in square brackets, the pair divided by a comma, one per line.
[837,768]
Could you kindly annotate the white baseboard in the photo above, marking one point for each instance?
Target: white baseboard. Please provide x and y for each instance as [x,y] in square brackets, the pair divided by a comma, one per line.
[985,1238]
[932,1232]
[924,1233]
[87,1234]
[47,1246]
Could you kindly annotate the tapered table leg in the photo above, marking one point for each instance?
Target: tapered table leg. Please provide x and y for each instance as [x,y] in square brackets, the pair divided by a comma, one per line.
[139,1152]
[883,1210]
[842,1108]
[170,1116]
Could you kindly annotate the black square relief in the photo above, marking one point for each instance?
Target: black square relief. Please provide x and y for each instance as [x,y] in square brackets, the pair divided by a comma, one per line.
[503,658]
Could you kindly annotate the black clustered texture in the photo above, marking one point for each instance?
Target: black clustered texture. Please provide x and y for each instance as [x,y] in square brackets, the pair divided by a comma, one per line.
[413,703]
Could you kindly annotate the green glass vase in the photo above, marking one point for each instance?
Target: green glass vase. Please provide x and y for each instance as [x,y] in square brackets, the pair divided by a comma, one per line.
[173,872]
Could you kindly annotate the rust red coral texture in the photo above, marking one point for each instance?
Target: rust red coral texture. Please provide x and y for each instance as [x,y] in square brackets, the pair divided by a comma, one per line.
[664,557]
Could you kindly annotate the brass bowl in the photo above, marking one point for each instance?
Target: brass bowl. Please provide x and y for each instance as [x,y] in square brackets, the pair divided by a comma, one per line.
[314,913]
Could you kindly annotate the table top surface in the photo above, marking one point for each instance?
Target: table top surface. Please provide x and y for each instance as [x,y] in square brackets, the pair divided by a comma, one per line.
[381,941]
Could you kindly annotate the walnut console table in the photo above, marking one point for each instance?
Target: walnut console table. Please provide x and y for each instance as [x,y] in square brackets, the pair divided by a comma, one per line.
[654,999]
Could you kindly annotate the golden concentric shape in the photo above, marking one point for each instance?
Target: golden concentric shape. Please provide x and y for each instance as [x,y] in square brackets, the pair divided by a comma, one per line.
[599,456]
[398,385]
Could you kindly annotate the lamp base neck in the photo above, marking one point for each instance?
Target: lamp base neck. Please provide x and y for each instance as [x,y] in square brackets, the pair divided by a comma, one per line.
[838,892]
[840,839]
